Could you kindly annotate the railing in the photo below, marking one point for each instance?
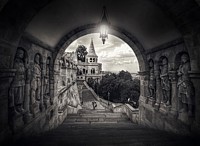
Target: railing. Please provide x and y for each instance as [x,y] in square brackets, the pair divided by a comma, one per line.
[61,92]
[65,88]
[132,113]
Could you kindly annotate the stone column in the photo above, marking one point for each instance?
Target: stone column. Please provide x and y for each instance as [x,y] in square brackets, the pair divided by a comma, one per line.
[144,86]
[6,114]
[56,82]
[195,78]
[192,42]
[28,115]
[158,87]
[51,84]
[174,94]
[42,88]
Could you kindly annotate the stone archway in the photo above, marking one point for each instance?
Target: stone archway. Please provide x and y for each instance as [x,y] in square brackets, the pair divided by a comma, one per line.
[128,38]
[92,28]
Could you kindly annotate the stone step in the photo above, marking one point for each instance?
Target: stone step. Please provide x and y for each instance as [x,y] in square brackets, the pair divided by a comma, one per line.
[94,111]
[114,115]
[80,119]
[96,122]
[96,118]
[98,115]
[107,133]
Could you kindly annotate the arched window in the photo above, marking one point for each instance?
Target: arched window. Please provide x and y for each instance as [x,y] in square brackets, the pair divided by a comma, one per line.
[92,71]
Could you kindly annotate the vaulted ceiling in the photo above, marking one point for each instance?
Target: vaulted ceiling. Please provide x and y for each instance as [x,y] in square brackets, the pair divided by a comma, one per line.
[152,22]
[141,18]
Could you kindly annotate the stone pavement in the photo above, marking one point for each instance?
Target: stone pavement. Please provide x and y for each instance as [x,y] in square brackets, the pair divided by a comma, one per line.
[103,128]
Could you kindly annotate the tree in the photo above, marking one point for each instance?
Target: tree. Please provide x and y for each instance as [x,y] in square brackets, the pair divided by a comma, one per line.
[90,82]
[122,88]
[125,75]
[81,52]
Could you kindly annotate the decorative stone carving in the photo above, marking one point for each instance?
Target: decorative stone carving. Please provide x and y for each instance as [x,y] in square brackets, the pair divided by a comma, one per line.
[185,86]
[17,101]
[47,83]
[174,99]
[17,89]
[36,84]
[165,82]
[152,84]
[158,95]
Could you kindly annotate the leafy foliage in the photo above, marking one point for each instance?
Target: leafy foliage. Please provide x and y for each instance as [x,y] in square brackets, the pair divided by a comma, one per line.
[81,52]
[122,88]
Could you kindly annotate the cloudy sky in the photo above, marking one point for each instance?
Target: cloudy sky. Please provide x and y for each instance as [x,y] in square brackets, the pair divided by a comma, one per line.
[115,55]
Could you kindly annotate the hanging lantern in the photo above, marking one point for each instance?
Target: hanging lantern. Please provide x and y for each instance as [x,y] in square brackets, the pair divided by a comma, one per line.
[104,26]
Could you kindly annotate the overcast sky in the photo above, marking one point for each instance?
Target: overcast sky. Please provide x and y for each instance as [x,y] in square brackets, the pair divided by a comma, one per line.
[115,55]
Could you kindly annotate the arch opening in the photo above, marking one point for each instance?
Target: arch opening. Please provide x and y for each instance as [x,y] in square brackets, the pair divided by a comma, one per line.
[92,28]
[132,51]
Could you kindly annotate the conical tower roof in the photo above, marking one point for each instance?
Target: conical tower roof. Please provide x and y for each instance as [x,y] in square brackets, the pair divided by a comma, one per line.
[91,52]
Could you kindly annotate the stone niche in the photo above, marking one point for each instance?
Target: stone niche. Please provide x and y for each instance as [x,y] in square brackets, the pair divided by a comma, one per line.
[30,93]
[170,101]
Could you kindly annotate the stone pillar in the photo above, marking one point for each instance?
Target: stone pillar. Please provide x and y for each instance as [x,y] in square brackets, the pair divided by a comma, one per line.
[51,84]
[56,81]
[174,95]
[192,42]
[144,86]
[28,115]
[6,76]
[51,89]
[195,78]
[42,88]
[158,87]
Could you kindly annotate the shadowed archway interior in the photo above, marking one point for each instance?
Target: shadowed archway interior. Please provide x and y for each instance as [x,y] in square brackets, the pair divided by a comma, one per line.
[36,96]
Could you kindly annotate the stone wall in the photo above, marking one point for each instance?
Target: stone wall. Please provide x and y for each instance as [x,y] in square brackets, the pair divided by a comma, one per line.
[32,101]
[67,89]
[28,90]
[68,101]
[169,90]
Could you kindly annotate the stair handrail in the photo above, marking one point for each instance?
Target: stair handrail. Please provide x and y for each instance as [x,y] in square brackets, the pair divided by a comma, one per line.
[108,104]
[65,88]
[126,108]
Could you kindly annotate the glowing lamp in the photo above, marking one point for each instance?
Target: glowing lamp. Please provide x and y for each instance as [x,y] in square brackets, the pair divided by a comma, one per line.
[104,26]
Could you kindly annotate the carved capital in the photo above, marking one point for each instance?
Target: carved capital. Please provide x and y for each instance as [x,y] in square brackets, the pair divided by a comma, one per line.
[173,76]
[157,74]
[143,73]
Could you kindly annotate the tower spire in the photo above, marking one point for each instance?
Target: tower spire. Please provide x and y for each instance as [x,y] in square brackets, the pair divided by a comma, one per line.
[91,52]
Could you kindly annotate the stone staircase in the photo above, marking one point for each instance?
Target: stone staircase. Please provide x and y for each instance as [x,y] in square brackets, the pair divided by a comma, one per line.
[87,129]
[96,117]
[87,97]
[101,127]
[104,128]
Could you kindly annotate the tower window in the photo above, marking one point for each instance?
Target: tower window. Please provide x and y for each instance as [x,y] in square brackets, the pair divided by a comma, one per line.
[92,71]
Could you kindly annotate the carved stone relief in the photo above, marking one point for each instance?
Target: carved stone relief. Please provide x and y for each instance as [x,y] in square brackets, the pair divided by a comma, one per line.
[18,104]
[152,84]
[47,83]
[185,86]
[165,82]
[17,89]
[36,84]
